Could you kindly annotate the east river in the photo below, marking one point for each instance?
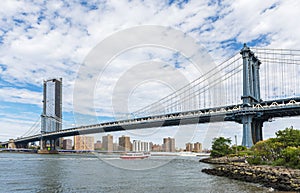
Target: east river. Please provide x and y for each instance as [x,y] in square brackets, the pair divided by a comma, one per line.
[107,173]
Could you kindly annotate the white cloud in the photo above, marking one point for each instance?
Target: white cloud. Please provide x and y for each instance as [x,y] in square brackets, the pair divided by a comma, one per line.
[20,96]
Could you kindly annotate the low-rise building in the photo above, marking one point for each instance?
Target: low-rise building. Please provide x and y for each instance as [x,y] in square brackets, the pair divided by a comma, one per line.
[67,144]
[98,145]
[156,147]
[82,142]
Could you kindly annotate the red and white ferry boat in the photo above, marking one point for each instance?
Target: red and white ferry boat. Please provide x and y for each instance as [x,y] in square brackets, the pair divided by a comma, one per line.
[131,156]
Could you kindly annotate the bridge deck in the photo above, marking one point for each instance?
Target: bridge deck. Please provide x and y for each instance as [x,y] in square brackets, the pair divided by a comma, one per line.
[263,111]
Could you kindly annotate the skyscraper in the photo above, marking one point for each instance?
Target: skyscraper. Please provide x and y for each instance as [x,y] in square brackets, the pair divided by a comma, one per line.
[51,118]
[52,106]
[107,143]
[172,145]
[140,146]
[197,147]
[189,147]
[169,144]
[124,143]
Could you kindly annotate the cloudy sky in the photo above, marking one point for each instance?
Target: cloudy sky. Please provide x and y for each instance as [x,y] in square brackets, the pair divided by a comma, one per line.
[51,39]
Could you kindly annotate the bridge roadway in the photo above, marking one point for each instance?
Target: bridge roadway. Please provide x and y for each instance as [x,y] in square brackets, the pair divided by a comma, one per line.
[261,111]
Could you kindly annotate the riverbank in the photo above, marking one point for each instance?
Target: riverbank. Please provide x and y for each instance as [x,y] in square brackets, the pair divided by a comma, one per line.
[279,178]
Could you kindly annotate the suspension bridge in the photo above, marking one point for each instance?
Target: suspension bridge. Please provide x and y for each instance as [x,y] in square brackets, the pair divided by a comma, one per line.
[250,88]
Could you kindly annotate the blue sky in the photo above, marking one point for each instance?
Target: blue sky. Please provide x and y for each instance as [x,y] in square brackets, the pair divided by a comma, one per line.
[49,39]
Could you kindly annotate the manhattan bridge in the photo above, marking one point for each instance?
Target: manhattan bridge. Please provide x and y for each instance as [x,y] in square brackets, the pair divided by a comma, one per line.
[253,86]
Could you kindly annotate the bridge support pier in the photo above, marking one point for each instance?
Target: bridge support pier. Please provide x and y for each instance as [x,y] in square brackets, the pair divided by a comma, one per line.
[247,131]
[252,131]
[48,147]
[42,144]
[257,131]
[11,144]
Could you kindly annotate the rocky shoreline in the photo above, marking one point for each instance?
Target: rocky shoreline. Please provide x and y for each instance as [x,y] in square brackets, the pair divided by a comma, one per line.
[223,160]
[279,178]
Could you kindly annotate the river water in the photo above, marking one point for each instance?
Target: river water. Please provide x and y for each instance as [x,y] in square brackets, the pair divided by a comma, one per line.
[103,173]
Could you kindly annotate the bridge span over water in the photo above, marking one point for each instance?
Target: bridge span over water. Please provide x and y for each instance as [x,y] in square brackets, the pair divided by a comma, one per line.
[240,88]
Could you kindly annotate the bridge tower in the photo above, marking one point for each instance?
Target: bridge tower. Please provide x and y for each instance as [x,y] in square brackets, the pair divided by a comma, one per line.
[52,112]
[252,127]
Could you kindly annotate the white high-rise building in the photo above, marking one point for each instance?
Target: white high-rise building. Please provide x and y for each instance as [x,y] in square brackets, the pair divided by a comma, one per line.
[140,146]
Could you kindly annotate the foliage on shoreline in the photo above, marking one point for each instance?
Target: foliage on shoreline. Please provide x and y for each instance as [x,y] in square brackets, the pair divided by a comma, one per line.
[221,147]
[283,150]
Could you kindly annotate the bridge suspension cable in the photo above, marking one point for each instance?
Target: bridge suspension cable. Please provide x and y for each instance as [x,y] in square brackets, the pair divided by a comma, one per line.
[280,70]
[221,85]
[34,129]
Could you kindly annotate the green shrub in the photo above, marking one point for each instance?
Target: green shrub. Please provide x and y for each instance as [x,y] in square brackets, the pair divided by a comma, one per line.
[245,153]
[279,162]
[255,160]
[241,148]
[284,150]
[291,157]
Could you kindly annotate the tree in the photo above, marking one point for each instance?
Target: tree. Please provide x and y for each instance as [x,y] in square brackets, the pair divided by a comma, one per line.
[221,147]
[289,137]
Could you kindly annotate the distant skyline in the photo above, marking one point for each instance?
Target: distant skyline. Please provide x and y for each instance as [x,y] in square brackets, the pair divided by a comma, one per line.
[51,39]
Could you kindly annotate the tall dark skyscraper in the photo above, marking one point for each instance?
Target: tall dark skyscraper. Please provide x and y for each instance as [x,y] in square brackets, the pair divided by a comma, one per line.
[52,109]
